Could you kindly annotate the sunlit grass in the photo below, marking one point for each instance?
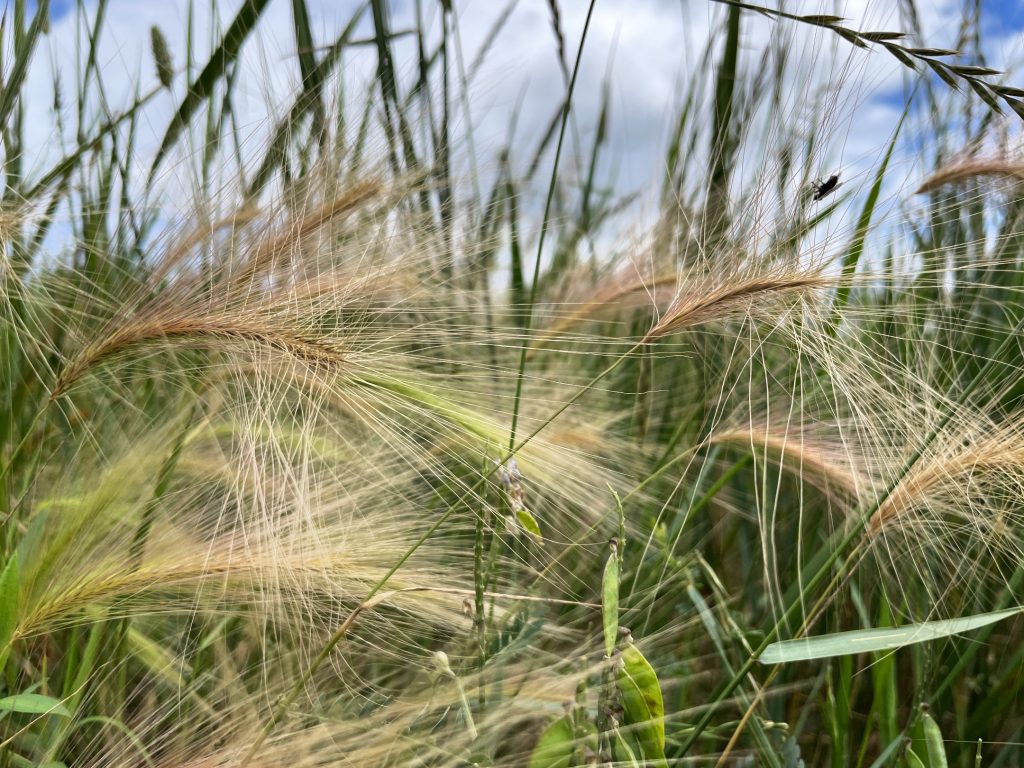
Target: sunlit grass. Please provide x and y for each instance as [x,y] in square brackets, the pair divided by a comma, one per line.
[349,459]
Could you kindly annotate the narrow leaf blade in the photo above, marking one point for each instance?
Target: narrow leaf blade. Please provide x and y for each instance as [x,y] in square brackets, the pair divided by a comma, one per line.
[33,704]
[10,580]
[872,640]
[529,522]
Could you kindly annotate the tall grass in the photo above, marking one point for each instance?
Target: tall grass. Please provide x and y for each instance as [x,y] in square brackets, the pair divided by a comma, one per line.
[350,457]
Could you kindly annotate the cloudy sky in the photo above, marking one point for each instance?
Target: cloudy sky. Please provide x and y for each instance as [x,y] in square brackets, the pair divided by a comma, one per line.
[647,50]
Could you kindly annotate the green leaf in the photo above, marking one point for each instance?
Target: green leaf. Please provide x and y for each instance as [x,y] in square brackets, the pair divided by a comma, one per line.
[226,53]
[163,482]
[822,19]
[933,52]
[725,127]
[643,707]
[33,704]
[555,746]
[610,601]
[881,37]
[870,640]
[10,580]
[528,522]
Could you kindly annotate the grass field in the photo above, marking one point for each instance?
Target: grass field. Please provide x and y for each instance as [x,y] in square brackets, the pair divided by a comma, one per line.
[357,445]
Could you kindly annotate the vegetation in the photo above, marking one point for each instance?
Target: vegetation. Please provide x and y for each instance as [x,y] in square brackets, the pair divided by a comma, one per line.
[348,458]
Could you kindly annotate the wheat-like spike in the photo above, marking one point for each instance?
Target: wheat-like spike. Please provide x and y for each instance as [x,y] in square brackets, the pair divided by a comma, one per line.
[970,169]
[697,304]
[192,328]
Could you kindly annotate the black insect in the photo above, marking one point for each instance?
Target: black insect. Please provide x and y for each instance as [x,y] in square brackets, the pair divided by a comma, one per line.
[827,187]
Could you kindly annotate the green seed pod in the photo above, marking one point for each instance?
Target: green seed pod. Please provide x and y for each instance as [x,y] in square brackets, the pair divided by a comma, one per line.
[610,599]
[642,704]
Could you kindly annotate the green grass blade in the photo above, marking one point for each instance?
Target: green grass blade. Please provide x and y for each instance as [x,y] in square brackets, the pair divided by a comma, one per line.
[874,640]
[160,490]
[10,587]
[33,704]
[303,40]
[312,75]
[23,50]
[545,223]
[722,141]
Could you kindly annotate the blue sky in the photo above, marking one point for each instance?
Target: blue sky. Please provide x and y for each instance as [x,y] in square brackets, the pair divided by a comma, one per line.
[1003,15]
